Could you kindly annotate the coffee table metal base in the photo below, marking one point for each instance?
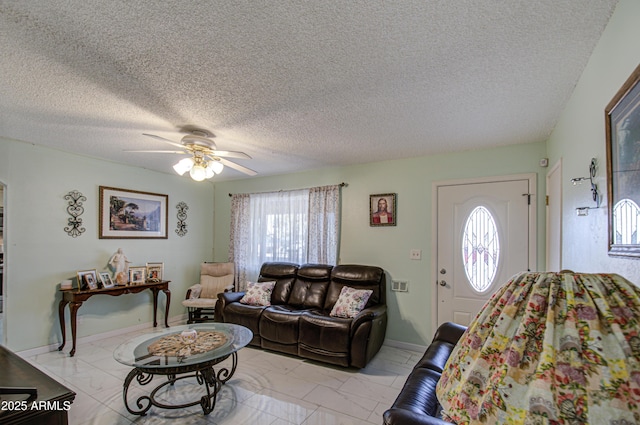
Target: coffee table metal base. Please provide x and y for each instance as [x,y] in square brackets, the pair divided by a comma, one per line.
[205,374]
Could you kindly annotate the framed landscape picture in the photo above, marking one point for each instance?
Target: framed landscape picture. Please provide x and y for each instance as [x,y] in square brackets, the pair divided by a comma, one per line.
[622,127]
[131,214]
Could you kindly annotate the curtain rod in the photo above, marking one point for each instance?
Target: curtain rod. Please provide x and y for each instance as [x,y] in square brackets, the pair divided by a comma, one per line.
[343,184]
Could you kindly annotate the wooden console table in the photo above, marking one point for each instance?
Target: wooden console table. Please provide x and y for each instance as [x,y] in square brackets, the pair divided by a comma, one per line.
[75,298]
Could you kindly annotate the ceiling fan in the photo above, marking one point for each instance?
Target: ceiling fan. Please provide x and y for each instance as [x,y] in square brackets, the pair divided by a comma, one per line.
[204,160]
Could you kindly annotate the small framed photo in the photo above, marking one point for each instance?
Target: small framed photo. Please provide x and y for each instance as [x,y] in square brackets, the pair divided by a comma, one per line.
[87,279]
[106,280]
[382,209]
[137,275]
[155,272]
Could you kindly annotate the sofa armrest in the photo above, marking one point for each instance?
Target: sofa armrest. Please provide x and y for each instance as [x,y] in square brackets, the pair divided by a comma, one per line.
[224,299]
[395,416]
[367,315]
[449,332]
[230,297]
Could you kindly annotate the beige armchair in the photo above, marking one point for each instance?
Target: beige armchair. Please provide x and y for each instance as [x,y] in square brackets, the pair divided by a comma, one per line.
[201,298]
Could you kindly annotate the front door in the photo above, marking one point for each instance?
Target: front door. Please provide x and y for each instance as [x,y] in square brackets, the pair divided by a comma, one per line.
[484,236]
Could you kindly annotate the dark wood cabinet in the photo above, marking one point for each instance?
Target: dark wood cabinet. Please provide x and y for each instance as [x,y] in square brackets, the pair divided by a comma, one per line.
[50,404]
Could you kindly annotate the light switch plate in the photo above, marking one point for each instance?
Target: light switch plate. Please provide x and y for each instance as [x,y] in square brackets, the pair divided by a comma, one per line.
[415,254]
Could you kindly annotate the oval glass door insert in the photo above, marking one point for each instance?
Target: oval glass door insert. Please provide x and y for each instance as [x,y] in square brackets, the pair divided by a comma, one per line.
[480,249]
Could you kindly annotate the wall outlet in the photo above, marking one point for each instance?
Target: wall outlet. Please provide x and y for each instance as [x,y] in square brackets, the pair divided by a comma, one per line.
[415,254]
[400,286]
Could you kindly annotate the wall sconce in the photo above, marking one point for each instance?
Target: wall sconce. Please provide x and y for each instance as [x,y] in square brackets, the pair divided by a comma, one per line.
[582,211]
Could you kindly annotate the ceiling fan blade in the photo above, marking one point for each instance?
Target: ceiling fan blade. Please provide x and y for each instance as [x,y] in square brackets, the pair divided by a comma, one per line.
[238,167]
[154,151]
[164,140]
[230,154]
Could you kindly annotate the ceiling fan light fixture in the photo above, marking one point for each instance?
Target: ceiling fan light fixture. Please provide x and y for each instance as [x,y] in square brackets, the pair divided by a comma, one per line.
[216,166]
[183,166]
[198,173]
[209,170]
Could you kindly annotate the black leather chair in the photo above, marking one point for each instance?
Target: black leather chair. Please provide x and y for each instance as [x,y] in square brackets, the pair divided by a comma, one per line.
[417,403]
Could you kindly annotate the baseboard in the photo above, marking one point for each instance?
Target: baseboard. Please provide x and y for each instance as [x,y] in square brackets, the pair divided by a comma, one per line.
[405,345]
[180,319]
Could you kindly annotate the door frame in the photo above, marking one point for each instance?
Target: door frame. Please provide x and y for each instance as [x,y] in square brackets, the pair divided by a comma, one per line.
[533,208]
[557,168]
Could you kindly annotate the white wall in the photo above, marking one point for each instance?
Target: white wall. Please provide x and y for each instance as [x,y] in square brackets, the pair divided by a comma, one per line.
[388,247]
[580,135]
[40,254]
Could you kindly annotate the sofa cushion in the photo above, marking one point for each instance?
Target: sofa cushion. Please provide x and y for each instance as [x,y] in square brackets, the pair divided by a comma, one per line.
[351,302]
[331,334]
[284,275]
[358,277]
[258,293]
[279,323]
[310,287]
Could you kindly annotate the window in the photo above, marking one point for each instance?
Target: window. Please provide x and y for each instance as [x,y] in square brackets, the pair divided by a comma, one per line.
[297,226]
[480,249]
[626,220]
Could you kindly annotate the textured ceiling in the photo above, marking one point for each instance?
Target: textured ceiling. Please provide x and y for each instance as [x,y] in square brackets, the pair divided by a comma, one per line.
[296,85]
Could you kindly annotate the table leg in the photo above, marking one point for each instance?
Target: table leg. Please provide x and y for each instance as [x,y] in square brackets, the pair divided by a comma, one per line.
[155,306]
[205,376]
[73,308]
[167,293]
[63,326]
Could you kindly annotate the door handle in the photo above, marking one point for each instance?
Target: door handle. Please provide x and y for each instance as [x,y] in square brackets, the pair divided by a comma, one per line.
[442,283]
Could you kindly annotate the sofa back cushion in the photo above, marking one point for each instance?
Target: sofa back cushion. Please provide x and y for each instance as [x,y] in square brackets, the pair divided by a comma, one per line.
[284,275]
[357,277]
[310,287]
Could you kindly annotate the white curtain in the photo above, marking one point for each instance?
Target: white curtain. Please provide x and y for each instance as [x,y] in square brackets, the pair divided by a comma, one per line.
[324,224]
[240,227]
[298,226]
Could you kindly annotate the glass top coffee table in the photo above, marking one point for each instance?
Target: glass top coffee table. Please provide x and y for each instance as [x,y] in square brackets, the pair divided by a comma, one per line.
[190,351]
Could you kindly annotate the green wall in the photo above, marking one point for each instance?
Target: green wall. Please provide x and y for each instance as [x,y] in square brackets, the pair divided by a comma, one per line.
[39,253]
[580,135]
[410,313]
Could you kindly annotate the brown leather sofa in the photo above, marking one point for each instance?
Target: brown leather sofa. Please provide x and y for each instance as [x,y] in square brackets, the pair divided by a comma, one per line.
[298,322]
[417,403]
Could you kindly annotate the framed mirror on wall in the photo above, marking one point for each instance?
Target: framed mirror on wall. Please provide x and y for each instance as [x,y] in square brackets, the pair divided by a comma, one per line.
[2,256]
[622,125]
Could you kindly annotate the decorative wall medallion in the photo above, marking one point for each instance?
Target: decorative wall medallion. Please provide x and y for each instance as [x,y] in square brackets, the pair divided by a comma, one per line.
[75,210]
[181,229]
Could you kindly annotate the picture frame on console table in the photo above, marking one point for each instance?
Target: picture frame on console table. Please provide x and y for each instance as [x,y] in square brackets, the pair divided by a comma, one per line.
[87,280]
[382,210]
[155,272]
[106,280]
[137,275]
[132,214]
[622,128]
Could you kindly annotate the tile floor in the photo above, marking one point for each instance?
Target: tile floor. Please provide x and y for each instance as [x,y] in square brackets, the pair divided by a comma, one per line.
[267,388]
